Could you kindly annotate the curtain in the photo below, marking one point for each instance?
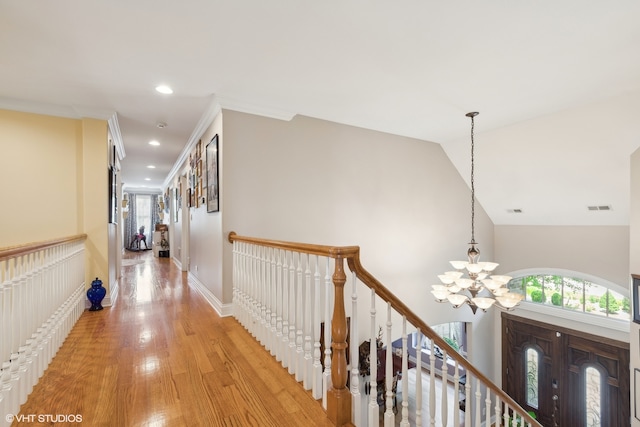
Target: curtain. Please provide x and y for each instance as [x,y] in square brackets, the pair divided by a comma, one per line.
[155,217]
[130,226]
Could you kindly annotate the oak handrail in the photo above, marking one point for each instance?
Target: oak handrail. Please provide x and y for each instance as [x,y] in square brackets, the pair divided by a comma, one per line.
[352,255]
[27,248]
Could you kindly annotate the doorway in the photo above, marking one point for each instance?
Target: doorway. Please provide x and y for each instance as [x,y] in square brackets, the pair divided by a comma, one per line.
[567,378]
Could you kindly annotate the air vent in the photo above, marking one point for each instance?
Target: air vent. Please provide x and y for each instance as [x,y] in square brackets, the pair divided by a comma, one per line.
[599,208]
[516,211]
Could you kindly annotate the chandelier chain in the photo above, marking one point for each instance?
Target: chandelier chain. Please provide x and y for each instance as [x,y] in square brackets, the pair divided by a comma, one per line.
[473,191]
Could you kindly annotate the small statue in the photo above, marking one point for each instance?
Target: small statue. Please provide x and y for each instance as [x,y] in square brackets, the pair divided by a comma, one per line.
[137,239]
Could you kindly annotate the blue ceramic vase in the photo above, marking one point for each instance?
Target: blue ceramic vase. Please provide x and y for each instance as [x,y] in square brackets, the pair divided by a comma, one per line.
[96,294]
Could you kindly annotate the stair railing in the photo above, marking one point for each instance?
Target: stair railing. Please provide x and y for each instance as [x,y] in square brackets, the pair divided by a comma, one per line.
[41,298]
[285,293]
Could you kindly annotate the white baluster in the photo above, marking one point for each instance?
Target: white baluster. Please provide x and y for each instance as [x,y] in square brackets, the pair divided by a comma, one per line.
[405,377]
[374,410]
[317,365]
[277,271]
[498,415]
[356,401]
[299,320]
[23,381]
[286,359]
[432,384]
[468,402]
[419,379]
[456,394]
[445,384]
[9,407]
[328,306]
[293,319]
[477,404]
[487,409]
[264,297]
[389,416]
[15,382]
[308,313]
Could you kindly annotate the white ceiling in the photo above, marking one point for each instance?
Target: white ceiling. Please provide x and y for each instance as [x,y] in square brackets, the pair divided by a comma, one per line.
[557,83]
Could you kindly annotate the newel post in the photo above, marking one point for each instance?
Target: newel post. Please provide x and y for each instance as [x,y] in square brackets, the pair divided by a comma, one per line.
[339,397]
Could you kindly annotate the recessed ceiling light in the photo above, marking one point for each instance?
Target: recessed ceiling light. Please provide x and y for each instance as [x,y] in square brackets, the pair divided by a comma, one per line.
[164,89]
[151,167]
[154,142]
[147,179]
[161,125]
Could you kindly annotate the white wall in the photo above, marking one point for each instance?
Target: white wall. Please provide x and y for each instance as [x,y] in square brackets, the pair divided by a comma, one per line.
[601,251]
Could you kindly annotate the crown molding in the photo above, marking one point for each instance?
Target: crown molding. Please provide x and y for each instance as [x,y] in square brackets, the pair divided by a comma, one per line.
[259,110]
[116,136]
[56,110]
[203,124]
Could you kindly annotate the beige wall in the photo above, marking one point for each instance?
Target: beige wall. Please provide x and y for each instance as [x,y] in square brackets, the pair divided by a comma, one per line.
[600,251]
[54,174]
[205,239]
[39,167]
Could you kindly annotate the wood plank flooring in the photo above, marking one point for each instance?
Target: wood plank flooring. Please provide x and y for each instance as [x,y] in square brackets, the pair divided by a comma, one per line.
[161,356]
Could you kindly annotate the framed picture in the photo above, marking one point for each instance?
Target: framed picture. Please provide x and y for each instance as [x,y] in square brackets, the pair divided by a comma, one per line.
[176,204]
[213,202]
[113,196]
[636,297]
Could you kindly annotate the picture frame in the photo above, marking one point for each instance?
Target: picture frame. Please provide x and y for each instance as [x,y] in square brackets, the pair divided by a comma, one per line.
[635,293]
[213,189]
[176,204]
[113,196]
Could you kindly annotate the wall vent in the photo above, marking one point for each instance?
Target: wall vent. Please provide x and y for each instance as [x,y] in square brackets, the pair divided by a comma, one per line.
[599,208]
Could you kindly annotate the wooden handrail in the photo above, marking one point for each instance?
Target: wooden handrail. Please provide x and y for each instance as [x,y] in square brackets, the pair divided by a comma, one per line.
[352,255]
[19,250]
[322,250]
[365,277]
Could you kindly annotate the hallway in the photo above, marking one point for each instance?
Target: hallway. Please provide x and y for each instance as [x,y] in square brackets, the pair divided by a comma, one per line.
[161,356]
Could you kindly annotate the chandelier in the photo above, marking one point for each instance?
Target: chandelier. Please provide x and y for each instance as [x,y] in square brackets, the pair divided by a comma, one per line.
[480,289]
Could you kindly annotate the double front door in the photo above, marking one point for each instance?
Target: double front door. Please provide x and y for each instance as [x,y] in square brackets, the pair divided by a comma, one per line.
[567,378]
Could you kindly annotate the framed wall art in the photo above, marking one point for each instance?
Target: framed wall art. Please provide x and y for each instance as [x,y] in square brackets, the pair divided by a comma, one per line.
[635,293]
[213,201]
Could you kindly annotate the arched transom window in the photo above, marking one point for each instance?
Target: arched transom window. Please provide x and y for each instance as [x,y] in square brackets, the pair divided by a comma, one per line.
[573,294]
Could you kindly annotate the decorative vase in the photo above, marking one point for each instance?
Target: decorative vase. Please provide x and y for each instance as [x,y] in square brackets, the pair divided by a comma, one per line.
[95,294]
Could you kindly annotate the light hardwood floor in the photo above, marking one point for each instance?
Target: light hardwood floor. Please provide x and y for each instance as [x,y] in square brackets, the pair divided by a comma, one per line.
[161,356]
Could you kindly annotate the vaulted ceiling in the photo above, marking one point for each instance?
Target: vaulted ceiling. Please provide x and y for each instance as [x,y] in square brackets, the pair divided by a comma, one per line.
[557,84]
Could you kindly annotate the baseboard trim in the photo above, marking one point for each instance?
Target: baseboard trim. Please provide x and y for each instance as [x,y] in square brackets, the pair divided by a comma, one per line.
[224,310]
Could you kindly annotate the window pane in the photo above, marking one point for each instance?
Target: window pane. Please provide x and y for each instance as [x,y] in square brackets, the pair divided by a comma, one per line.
[595,299]
[593,397]
[573,294]
[532,377]
[143,212]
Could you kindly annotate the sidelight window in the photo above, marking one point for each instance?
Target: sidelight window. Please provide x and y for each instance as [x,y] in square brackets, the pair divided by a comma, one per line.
[533,375]
[593,396]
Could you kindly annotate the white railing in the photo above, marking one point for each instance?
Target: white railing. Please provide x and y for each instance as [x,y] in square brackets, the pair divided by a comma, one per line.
[286,293]
[41,298]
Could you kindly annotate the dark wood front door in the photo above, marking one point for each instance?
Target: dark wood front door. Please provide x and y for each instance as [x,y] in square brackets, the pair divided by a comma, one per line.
[568,378]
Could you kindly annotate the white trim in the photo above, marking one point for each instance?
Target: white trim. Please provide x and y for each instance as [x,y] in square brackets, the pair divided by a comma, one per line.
[223,310]
[203,124]
[258,110]
[114,128]
[572,315]
[624,290]
[575,316]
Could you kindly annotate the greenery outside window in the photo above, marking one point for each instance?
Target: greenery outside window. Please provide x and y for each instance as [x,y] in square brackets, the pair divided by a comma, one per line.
[572,294]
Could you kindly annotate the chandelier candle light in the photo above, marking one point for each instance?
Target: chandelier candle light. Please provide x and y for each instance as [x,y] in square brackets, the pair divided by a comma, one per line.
[479,290]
